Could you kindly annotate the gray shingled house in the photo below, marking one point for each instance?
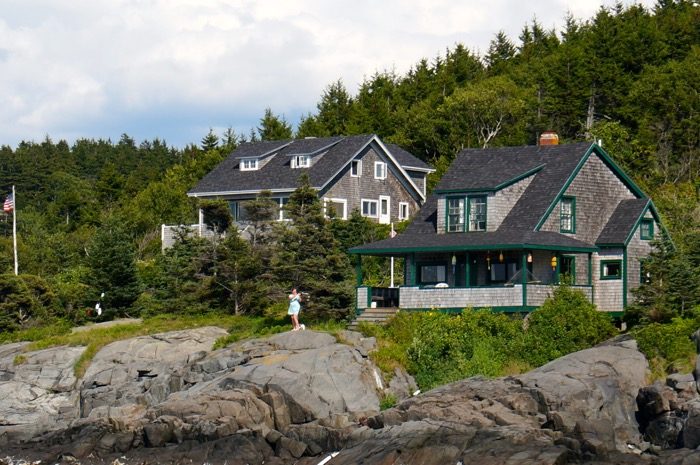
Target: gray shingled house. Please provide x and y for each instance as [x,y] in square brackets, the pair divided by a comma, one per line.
[505,225]
[382,181]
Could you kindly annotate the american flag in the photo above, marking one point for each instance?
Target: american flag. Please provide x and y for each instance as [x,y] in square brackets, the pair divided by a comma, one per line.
[9,204]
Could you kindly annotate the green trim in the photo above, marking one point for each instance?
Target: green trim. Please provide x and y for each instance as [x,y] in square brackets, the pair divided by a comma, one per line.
[624,278]
[617,171]
[504,309]
[590,270]
[650,229]
[413,269]
[463,212]
[500,186]
[573,214]
[453,248]
[468,219]
[573,264]
[358,270]
[466,212]
[632,231]
[523,276]
[606,262]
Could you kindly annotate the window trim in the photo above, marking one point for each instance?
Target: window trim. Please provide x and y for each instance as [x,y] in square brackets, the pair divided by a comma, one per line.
[650,236]
[403,217]
[571,230]
[463,213]
[604,264]
[357,165]
[242,163]
[419,273]
[281,211]
[297,158]
[468,219]
[369,201]
[328,200]
[573,267]
[384,168]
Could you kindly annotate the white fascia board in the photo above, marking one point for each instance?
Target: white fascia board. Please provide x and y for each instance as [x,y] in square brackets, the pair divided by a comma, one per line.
[414,168]
[225,193]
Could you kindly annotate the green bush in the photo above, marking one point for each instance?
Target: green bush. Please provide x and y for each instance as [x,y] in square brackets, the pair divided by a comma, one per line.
[25,301]
[565,323]
[669,343]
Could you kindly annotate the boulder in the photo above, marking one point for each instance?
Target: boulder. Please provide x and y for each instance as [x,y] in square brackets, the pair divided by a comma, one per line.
[691,431]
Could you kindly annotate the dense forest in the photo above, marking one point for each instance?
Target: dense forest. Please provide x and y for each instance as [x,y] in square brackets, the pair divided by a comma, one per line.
[89,214]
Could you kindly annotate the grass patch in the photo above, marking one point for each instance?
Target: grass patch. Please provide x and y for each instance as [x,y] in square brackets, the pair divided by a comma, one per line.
[19,360]
[387,401]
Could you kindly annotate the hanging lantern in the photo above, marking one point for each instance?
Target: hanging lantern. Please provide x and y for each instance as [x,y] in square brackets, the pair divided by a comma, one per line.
[488,261]
[500,257]
[454,259]
[529,257]
[554,262]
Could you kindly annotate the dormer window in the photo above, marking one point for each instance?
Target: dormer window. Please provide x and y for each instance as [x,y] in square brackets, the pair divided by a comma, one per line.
[249,164]
[301,161]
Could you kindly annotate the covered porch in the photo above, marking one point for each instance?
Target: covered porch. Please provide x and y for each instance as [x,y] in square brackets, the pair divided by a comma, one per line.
[507,279]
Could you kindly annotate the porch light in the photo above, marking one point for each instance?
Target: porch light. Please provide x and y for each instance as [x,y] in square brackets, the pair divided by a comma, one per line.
[554,262]
[488,261]
[500,257]
[529,257]
[454,260]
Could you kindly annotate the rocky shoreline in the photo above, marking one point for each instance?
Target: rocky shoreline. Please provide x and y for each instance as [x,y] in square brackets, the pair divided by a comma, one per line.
[298,397]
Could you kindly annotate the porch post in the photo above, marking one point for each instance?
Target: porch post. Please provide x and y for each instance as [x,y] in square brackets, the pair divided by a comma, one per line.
[358,270]
[590,268]
[523,276]
[413,269]
[467,269]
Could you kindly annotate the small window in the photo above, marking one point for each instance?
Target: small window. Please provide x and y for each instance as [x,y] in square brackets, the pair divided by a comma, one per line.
[403,211]
[433,274]
[379,170]
[249,164]
[646,228]
[611,269]
[455,214]
[336,208]
[369,208]
[356,168]
[567,217]
[301,161]
[477,213]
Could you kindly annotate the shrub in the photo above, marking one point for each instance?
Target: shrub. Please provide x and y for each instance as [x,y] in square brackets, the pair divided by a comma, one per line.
[669,345]
[565,323]
[25,300]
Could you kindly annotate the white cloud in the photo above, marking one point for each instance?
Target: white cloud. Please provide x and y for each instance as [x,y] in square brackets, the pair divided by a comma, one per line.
[167,68]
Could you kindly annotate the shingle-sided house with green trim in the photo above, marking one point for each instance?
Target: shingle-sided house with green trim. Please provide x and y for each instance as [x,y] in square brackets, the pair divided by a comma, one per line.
[382,181]
[505,225]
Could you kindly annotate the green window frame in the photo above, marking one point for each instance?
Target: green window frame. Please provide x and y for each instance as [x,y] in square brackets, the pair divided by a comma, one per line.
[646,229]
[610,269]
[570,277]
[455,214]
[567,215]
[477,213]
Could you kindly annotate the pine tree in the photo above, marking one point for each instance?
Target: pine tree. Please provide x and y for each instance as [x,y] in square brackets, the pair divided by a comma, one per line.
[272,127]
[210,141]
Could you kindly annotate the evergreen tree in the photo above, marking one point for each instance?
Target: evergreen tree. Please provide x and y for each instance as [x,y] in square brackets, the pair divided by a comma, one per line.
[272,127]
[210,141]
[334,109]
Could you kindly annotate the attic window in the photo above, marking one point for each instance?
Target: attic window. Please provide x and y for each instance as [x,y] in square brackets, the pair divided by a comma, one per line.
[301,161]
[249,164]
[355,168]
[379,170]
[646,229]
[567,217]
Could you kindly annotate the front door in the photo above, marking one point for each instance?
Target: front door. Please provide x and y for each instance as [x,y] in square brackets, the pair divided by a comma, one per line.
[384,209]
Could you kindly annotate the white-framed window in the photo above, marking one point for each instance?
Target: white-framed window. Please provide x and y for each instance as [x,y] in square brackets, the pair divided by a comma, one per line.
[301,161]
[336,208]
[379,170]
[370,208]
[403,211]
[249,164]
[282,215]
[356,168]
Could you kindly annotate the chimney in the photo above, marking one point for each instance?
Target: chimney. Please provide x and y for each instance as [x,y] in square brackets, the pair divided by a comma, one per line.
[549,138]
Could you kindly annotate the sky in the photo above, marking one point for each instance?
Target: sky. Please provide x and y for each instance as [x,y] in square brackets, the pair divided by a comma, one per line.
[173,69]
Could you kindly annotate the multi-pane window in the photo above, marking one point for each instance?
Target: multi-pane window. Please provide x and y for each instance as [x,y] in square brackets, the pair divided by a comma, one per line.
[646,228]
[477,213]
[249,164]
[379,170]
[369,208]
[336,208]
[301,161]
[611,269]
[455,214]
[432,274]
[567,217]
[355,168]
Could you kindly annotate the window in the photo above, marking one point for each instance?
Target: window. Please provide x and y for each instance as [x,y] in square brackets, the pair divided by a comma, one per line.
[379,170]
[356,168]
[567,217]
[336,208]
[477,213]
[433,274]
[646,228]
[611,269]
[369,208]
[403,211]
[455,214]
[238,211]
[249,164]
[301,161]
[567,269]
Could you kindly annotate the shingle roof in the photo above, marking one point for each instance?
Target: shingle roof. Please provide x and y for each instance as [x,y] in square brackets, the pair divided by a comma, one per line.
[623,219]
[277,173]
[406,159]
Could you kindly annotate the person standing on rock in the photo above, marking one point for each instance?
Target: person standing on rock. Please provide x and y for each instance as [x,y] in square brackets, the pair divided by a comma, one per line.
[294,307]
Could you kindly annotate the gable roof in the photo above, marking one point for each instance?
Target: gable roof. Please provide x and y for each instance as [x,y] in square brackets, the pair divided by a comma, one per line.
[623,222]
[330,156]
[407,160]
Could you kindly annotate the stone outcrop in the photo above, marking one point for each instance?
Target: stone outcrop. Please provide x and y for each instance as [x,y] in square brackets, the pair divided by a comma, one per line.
[296,397]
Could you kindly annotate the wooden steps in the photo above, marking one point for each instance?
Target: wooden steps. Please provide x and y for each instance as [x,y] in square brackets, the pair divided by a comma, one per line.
[377,316]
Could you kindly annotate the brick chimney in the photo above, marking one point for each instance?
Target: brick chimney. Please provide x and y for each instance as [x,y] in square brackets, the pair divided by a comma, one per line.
[549,138]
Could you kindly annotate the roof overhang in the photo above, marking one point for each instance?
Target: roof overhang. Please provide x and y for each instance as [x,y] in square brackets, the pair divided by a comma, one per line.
[468,248]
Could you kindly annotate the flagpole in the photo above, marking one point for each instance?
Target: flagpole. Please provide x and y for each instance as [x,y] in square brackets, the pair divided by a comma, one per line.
[14,227]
